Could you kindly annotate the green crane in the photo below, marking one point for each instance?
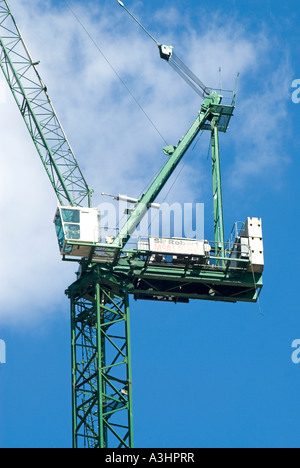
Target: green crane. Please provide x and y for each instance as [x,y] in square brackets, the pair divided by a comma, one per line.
[109,271]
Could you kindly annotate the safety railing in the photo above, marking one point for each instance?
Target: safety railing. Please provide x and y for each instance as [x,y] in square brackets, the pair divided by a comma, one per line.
[236,257]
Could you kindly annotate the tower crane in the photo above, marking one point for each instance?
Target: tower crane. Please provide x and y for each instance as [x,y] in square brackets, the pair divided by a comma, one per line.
[109,271]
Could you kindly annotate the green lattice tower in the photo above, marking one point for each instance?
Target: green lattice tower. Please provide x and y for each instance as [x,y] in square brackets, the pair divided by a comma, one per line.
[101,365]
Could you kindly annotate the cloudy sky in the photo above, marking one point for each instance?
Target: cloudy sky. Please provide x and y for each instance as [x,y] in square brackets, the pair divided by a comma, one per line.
[98,64]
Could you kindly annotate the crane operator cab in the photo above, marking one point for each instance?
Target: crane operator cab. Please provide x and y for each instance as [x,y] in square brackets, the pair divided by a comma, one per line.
[77,230]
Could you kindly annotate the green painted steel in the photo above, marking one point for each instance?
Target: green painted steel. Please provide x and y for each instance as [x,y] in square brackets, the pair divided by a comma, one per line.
[101,348]
[33,101]
[217,191]
[215,280]
[208,107]
[101,365]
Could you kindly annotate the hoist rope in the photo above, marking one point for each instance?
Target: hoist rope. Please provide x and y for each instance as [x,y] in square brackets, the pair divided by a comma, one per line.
[115,71]
[188,76]
[191,79]
[137,21]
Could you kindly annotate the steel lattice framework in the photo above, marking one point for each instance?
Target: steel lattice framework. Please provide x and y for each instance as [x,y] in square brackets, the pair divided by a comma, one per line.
[34,103]
[101,363]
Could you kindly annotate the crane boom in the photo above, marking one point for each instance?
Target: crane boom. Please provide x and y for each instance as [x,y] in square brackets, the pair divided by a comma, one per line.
[34,103]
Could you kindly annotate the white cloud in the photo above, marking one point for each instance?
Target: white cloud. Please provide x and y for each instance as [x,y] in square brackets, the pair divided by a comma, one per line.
[117,148]
[264,131]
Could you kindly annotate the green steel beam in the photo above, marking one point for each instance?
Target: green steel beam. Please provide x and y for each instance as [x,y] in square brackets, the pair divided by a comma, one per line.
[36,108]
[175,156]
[217,191]
[214,283]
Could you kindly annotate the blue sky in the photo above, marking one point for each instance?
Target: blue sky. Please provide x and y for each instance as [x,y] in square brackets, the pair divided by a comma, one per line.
[204,374]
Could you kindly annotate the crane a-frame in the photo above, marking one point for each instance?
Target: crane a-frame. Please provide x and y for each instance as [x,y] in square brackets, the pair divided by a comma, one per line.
[109,271]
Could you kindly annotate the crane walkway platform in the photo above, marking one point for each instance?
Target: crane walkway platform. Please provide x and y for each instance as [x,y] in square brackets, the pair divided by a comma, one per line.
[149,275]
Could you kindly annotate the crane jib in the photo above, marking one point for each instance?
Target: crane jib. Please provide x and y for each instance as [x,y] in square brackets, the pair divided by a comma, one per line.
[31,96]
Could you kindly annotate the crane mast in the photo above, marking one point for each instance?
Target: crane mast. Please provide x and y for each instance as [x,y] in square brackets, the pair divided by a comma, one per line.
[110,272]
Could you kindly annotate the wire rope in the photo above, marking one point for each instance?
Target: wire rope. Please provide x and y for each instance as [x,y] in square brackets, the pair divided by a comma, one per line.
[115,71]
